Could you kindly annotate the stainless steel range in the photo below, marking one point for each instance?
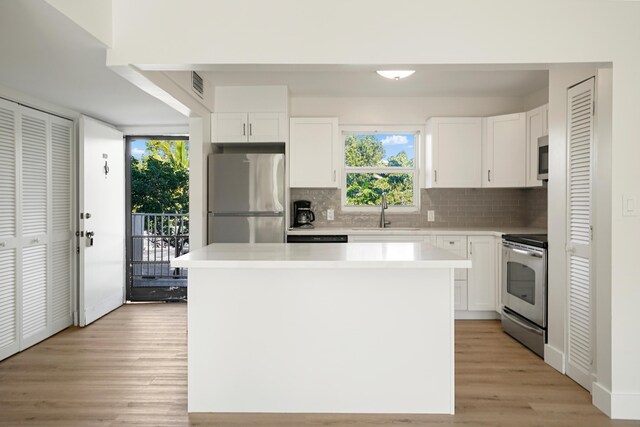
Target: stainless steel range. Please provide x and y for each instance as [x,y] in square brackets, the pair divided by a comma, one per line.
[524,289]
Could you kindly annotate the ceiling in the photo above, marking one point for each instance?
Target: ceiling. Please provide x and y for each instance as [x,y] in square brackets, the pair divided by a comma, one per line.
[45,55]
[362,80]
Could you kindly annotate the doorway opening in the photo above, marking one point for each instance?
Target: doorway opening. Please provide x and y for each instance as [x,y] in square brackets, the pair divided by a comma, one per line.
[157,214]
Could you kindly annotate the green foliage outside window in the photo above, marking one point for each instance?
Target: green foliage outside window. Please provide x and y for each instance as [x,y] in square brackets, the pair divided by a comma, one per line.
[363,187]
[160,179]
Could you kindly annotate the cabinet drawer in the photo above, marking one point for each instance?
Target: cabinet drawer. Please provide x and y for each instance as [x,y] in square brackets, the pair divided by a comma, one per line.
[455,244]
[458,246]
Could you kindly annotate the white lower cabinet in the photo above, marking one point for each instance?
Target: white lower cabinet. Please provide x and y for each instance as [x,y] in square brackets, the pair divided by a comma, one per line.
[475,289]
[483,277]
[458,246]
[460,295]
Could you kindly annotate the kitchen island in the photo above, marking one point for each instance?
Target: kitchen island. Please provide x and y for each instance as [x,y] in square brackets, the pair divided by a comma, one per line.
[340,328]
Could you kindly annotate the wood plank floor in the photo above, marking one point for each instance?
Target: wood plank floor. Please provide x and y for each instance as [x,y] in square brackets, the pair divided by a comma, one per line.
[129,368]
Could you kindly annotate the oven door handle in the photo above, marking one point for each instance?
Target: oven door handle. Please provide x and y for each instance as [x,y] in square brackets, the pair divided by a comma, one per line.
[519,323]
[523,252]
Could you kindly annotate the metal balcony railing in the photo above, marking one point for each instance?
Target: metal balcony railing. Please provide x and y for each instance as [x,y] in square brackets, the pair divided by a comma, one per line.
[156,240]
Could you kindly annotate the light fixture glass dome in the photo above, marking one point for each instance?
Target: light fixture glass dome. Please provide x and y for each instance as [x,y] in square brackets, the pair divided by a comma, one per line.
[395,74]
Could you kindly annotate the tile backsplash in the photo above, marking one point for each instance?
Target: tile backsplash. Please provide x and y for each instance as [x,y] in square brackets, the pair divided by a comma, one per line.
[454,207]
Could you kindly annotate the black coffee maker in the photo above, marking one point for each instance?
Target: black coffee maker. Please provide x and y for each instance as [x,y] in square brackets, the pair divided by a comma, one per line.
[303,216]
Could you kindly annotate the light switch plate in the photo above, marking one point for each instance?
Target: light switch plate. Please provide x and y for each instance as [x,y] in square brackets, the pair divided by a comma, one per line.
[330,215]
[431,216]
[630,205]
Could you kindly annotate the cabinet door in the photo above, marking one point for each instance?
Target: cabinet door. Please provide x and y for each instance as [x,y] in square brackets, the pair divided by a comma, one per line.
[458,246]
[460,295]
[536,122]
[314,152]
[229,127]
[482,280]
[505,151]
[455,145]
[266,127]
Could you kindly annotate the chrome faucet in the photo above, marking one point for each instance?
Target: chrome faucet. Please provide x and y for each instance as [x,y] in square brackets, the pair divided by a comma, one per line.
[384,205]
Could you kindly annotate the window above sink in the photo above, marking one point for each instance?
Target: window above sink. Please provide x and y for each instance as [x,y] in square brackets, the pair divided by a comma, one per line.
[377,160]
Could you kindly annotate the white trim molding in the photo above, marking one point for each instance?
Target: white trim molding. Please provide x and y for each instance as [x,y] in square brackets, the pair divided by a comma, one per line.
[618,406]
[554,358]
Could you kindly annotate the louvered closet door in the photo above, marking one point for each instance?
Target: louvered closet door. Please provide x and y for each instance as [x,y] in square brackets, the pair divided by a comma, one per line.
[35,205]
[60,238]
[580,104]
[9,304]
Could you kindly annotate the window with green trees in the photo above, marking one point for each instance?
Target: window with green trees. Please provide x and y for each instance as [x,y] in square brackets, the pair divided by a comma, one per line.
[380,162]
[160,176]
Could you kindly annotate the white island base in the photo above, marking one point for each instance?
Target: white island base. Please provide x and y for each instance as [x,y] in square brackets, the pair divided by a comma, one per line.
[321,336]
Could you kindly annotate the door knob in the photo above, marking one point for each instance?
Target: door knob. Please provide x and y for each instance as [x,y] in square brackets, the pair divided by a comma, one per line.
[90,235]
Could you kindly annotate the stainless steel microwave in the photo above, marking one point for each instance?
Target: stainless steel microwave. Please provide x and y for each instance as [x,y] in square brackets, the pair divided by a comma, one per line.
[543,158]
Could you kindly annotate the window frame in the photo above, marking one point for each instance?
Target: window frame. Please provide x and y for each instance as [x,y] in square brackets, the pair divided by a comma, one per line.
[416,130]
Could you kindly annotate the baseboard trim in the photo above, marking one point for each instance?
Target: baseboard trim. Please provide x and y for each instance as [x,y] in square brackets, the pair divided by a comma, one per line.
[476,315]
[601,398]
[625,406]
[554,358]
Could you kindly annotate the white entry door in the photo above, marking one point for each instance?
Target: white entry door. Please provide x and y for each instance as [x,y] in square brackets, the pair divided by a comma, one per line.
[102,224]
[580,106]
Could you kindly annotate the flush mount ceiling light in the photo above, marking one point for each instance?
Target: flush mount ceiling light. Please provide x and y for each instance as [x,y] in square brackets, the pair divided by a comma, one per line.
[395,74]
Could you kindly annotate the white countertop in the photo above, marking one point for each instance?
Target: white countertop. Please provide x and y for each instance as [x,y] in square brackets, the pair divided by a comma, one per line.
[399,231]
[325,255]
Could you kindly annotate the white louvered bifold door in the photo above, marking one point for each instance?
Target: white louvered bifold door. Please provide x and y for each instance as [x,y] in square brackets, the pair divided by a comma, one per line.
[9,304]
[35,212]
[580,103]
[61,237]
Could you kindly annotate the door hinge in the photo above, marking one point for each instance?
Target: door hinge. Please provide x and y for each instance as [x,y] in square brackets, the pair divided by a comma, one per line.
[77,250]
[591,233]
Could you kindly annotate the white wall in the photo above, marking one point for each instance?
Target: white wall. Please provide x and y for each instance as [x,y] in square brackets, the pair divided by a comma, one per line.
[602,239]
[435,32]
[416,110]
[199,149]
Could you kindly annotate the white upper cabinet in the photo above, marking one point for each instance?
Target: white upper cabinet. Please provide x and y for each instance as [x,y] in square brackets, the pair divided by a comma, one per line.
[536,127]
[453,152]
[250,114]
[267,127]
[248,127]
[229,127]
[314,152]
[504,154]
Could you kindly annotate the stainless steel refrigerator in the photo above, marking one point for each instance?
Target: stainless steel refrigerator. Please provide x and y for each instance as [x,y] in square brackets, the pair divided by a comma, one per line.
[246,198]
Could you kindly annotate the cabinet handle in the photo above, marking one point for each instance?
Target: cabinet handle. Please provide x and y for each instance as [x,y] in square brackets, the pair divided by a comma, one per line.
[2,244]
[36,240]
[335,176]
[250,129]
[244,129]
[470,248]
[435,172]
[489,175]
